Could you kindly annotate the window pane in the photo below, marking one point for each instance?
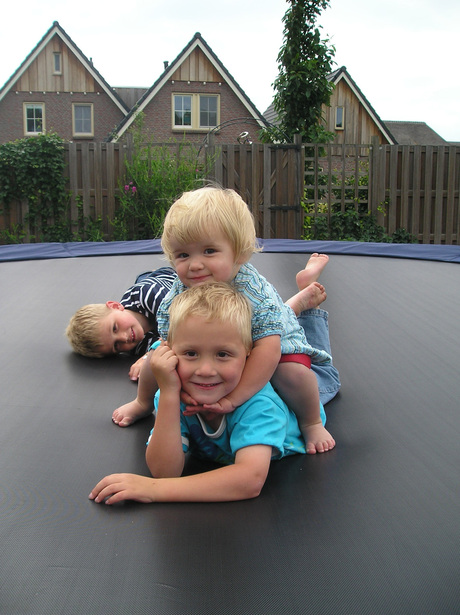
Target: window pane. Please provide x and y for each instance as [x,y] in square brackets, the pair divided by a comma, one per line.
[57,62]
[208,110]
[82,114]
[182,110]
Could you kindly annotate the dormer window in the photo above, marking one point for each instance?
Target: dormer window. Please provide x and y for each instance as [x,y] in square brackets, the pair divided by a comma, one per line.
[339,118]
[57,63]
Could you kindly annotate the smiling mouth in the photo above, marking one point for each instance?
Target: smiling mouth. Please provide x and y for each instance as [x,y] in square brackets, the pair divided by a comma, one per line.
[204,385]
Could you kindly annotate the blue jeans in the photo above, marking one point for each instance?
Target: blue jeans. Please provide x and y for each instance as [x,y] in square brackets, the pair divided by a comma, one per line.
[316,326]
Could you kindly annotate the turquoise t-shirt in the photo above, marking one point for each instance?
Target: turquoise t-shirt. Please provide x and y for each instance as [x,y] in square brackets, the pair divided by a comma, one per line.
[264,419]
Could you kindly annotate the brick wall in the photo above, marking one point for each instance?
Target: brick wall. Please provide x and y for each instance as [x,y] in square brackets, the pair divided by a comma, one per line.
[58,114]
[158,118]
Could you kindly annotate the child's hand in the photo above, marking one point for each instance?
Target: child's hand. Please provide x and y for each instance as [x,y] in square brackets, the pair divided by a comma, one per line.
[135,369]
[118,487]
[163,362]
[223,406]
[188,400]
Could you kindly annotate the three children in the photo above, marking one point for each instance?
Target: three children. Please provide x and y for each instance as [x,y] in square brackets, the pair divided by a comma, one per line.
[209,343]
[209,236]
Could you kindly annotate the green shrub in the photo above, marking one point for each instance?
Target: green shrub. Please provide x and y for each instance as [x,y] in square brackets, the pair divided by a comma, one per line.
[154,178]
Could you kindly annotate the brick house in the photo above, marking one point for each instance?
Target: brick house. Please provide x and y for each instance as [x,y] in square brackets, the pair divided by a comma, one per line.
[58,89]
[195,95]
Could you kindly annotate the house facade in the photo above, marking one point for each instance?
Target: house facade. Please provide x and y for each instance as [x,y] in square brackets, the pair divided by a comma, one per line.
[195,96]
[349,116]
[57,89]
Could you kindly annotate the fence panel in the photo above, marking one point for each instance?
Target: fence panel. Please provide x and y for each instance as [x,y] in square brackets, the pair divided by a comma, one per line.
[420,187]
[270,179]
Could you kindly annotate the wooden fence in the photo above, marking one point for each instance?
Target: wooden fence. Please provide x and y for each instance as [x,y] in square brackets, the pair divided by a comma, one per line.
[411,187]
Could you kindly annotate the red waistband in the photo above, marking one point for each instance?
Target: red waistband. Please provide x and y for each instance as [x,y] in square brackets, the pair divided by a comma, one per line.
[304,359]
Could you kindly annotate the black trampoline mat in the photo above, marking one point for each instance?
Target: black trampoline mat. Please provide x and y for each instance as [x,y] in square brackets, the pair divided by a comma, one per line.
[372,527]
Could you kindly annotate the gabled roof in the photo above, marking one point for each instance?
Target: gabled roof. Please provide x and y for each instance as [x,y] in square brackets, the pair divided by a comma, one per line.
[414,133]
[342,73]
[334,77]
[197,41]
[57,30]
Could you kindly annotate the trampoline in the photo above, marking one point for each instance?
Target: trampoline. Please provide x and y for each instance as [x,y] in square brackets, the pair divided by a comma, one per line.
[372,527]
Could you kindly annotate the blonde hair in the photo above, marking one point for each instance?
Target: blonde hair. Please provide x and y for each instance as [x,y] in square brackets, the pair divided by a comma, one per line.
[83,330]
[217,301]
[201,212]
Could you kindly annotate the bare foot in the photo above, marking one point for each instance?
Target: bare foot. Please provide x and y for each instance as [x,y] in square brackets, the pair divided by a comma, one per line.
[317,439]
[130,413]
[312,271]
[308,298]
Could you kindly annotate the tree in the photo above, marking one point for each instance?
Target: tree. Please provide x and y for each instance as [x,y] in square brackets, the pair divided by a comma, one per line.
[304,63]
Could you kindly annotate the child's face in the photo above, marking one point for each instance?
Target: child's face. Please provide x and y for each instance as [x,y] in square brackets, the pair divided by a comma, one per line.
[211,358]
[120,331]
[209,260]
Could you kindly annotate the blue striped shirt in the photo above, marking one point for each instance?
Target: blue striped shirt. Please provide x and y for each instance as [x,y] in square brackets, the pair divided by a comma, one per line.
[145,297]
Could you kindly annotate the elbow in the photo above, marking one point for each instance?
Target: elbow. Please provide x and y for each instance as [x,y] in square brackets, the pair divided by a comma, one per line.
[164,469]
[253,488]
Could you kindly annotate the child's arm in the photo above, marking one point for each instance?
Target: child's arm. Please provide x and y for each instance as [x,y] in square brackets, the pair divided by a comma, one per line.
[260,367]
[240,481]
[165,456]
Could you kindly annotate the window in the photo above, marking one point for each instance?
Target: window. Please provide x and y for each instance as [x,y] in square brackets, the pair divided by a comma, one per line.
[34,118]
[82,116]
[57,68]
[195,111]
[339,118]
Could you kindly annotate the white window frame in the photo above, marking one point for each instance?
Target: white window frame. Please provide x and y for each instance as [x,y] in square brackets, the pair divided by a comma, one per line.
[340,118]
[27,106]
[76,133]
[195,112]
[57,63]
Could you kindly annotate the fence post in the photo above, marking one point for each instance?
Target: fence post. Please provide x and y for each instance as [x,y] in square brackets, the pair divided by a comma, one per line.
[267,193]
[373,175]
